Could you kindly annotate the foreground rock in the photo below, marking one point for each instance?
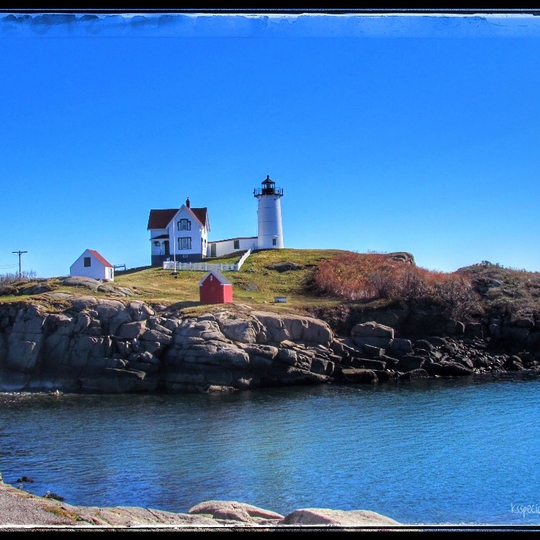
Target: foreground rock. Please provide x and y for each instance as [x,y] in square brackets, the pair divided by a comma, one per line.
[21,510]
[112,346]
[107,346]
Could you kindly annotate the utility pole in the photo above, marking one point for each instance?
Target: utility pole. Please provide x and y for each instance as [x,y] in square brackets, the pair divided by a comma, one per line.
[19,253]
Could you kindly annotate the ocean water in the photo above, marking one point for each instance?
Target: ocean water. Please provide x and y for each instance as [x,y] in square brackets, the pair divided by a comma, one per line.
[421,452]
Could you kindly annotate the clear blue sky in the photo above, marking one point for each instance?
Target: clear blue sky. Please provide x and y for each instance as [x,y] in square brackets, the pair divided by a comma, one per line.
[386,133]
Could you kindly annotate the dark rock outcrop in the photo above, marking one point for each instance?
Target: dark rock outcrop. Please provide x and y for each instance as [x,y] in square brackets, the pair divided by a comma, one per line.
[108,346]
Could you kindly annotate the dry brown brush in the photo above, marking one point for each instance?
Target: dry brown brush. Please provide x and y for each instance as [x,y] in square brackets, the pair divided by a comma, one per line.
[370,276]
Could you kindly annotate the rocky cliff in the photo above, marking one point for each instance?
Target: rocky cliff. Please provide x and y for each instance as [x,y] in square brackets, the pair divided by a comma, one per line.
[110,346]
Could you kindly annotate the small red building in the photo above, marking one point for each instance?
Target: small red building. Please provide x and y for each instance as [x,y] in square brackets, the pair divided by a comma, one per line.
[215,288]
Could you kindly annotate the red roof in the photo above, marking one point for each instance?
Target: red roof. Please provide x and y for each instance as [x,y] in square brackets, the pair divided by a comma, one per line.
[201,214]
[159,219]
[100,258]
[218,275]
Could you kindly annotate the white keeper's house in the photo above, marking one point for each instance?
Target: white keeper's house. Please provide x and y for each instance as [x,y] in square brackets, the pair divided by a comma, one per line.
[181,234]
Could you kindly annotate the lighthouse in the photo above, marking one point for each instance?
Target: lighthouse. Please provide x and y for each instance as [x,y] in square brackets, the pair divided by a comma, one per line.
[270,233]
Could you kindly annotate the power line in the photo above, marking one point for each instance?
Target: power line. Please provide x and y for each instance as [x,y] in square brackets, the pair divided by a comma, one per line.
[19,253]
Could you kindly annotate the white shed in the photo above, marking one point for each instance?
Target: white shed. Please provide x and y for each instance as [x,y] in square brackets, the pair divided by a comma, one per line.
[92,264]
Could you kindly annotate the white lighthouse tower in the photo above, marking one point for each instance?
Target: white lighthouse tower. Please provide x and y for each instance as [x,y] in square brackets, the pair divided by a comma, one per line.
[270,235]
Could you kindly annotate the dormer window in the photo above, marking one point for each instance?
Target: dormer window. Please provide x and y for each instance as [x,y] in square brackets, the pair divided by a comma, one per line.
[184,225]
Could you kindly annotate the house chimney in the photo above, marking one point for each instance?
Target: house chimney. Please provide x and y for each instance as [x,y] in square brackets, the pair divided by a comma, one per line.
[188,204]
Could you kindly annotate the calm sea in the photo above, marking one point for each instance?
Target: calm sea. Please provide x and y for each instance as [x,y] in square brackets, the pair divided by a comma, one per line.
[420,452]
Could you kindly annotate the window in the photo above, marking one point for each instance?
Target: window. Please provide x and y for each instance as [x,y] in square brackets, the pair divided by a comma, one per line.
[87,262]
[184,242]
[274,242]
[184,225]
[237,244]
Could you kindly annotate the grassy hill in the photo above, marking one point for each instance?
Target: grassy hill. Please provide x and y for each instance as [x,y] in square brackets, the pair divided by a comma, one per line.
[263,276]
[315,281]
[260,279]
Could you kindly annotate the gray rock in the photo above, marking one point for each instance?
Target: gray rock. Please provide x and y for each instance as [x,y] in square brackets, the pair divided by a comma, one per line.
[415,374]
[81,281]
[400,346]
[358,375]
[291,327]
[325,516]
[232,510]
[138,350]
[372,329]
[368,363]
[409,362]
[284,266]
[20,510]
[81,303]
[131,330]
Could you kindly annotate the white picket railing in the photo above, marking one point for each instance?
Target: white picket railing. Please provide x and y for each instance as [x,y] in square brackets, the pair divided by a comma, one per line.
[205,267]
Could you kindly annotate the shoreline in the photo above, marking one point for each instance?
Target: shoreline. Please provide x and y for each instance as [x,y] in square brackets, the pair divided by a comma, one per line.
[23,511]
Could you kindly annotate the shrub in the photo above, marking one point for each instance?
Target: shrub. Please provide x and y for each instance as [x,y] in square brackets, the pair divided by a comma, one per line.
[8,280]
[457,295]
[353,276]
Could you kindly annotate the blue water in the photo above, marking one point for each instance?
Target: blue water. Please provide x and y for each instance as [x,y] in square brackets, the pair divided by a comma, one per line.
[420,452]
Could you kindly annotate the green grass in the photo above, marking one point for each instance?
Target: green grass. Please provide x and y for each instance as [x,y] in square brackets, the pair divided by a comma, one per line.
[254,284]
[510,291]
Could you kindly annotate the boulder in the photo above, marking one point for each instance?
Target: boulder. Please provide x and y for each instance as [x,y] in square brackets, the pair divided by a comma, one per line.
[232,510]
[360,375]
[236,329]
[278,328]
[372,334]
[346,518]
